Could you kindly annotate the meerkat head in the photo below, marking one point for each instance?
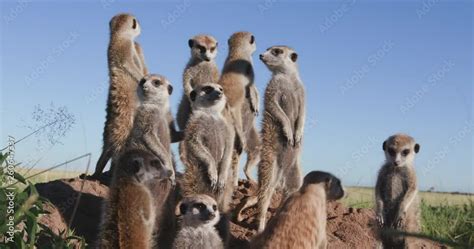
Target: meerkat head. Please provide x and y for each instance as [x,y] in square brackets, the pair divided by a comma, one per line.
[208,96]
[198,210]
[124,25]
[203,47]
[243,42]
[400,150]
[154,88]
[142,166]
[332,185]
[280,58]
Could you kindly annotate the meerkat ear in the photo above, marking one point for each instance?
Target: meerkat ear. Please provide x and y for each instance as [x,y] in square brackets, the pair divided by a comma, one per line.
[192,95]
[294,57]
[170,89]
[134,25]
[180,209]
[252,39]
[191,43]
[384,146]
[217,44]
[417,148]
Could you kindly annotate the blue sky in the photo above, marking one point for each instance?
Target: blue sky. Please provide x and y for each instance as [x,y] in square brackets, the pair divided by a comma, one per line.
[370,70]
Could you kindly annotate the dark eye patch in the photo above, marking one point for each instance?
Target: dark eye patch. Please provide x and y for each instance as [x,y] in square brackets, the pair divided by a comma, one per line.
[391,152]
[207,89]
[277,51]
[156,82]
[202,49]
[405,152]
[200,206]
[214,207]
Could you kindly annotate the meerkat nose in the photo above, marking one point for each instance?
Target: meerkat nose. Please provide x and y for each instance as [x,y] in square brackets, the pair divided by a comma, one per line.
[212,215]
[261,56]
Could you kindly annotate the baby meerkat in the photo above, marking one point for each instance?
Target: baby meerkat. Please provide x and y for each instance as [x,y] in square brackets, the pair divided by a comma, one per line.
[282,130]
[206,150]
[201,68]
[199,215]
[126,67]
[153,128]
[130,214]
[396,191]
[301,221]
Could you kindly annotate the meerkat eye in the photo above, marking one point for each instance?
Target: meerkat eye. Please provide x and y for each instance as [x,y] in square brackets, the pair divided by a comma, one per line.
[134,25]
[207,89]
[156,82]
[277,51]
[200,206]
[405,152]
[201,48]
[214,207]
[391,152]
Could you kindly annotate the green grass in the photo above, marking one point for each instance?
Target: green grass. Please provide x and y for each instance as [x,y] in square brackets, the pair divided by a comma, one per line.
[444,215]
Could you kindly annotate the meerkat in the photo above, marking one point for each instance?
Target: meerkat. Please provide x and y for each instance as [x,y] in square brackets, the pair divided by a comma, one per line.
[126,67]
[201,68]
[237,75]
[282,131]
[301,221]
[396,191]
[206,149]
[249,114]
[153,127]
[129,216]
[199,214]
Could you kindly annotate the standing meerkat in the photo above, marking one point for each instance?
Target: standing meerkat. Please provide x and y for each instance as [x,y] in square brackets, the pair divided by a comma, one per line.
[237,76]
[199,214]
[396,191]
[153,127]
[206,150]
[301,221]
[282,130]
[126,67]
[201,68]
[130,214]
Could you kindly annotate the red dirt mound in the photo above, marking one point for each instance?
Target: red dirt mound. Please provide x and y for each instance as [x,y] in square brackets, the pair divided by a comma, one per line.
[347,227]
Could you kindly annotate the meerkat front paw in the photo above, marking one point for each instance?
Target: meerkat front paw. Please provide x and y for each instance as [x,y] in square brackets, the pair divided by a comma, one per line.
[213,179]
[379,220]
[298,138]
[220,185]
[288,133]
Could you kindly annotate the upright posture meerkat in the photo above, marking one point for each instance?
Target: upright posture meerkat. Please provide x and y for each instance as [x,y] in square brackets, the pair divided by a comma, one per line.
[126,68]
[153,127]
[396,193]
[130,214]
[206,150]
[301,221]
[201,68]
[199,215]
[237,76]
[282,129]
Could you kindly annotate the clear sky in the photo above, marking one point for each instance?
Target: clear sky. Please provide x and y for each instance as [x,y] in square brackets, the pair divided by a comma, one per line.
[370,70]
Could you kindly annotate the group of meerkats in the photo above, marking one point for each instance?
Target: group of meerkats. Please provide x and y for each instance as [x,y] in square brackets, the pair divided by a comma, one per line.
[150,207]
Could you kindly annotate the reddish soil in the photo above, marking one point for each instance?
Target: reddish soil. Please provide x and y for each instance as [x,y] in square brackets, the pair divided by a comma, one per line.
[347,227]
